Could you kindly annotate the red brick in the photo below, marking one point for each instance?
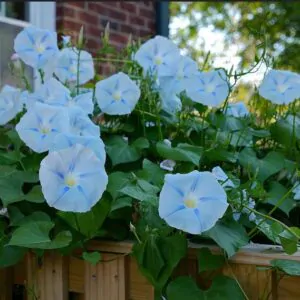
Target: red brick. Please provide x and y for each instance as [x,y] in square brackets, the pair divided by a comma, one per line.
[93,30]
[80,4]
[64,11]
[67,25]
[112,25]
[119,38]
[151,25]
[129,29]
[92,44]
[145,34]
[131,7]
[135,20]
[148,13]
[88,18]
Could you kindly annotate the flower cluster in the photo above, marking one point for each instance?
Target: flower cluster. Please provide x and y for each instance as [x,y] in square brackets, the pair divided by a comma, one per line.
[57,122]
[72,175]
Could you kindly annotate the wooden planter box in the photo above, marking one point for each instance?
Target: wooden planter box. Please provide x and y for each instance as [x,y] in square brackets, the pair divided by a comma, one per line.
[118,278]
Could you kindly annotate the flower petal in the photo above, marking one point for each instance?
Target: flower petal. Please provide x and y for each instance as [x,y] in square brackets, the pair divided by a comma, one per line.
[90,179]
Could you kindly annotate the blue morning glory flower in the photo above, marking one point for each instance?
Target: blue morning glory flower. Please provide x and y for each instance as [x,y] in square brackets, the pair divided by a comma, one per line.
[67,66]
[222,177]
[83,101]
[182,70]
[249,202]
[238,110]
[36,47]
[168,165]
[52,93]
[117,95]
[157,56]
[170,102]
[208,88]
[72,179]
[66,39]
[192,202]
[81,124]
[280,87]
[66,140]
[38,127]
[296,190]
[10,103]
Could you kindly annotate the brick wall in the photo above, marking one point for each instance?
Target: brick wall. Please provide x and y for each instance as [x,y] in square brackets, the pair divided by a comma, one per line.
[137,18]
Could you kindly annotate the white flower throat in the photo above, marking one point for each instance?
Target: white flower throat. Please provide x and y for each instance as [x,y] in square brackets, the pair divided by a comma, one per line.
[157,60]
[73,69]
[40,47]
[117,95]
[190,201]
[70,180]
[281,88]
[45,129]
[209,88]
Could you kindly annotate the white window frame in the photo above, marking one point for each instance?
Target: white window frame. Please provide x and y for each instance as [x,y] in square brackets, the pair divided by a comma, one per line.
[41,14]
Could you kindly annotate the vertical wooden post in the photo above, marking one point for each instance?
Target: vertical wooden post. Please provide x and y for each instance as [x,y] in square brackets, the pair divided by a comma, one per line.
[6,283]
[106,280]
[48,281]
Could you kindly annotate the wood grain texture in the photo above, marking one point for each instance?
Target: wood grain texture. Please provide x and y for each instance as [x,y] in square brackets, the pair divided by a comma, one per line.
[118,276]
[6,283]
[76,275]
[106,280]
[138,286]
[49,279]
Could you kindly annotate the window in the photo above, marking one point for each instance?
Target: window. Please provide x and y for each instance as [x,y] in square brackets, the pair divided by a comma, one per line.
[14,16]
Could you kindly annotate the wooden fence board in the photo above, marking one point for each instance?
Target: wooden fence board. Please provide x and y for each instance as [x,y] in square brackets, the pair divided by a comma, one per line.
[48,281]
[106,280]
[6,283]
[117,277]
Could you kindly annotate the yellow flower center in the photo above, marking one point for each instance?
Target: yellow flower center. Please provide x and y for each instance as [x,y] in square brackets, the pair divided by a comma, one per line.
[70,180]
[157,60]
[117,96]
[210,88]
[45,130]
[40,48]
[190,201]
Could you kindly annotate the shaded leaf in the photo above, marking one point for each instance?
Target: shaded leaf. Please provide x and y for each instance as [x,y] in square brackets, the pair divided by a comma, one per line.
[208,261]
[228,235]
[182,152]
[92,257]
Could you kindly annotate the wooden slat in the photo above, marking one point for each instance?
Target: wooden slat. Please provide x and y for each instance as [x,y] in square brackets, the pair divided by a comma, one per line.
[255,283]
[49,281]
[76,275]
[20,272]
[138,286]
[106,280]
[6,283]
[288,288]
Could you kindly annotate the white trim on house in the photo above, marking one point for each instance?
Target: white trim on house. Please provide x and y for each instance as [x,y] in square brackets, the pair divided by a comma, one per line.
[43,14]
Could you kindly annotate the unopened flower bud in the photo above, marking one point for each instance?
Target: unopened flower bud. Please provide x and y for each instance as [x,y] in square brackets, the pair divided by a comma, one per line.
[106,32]
[16,62]
[129,41]
[80,38]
